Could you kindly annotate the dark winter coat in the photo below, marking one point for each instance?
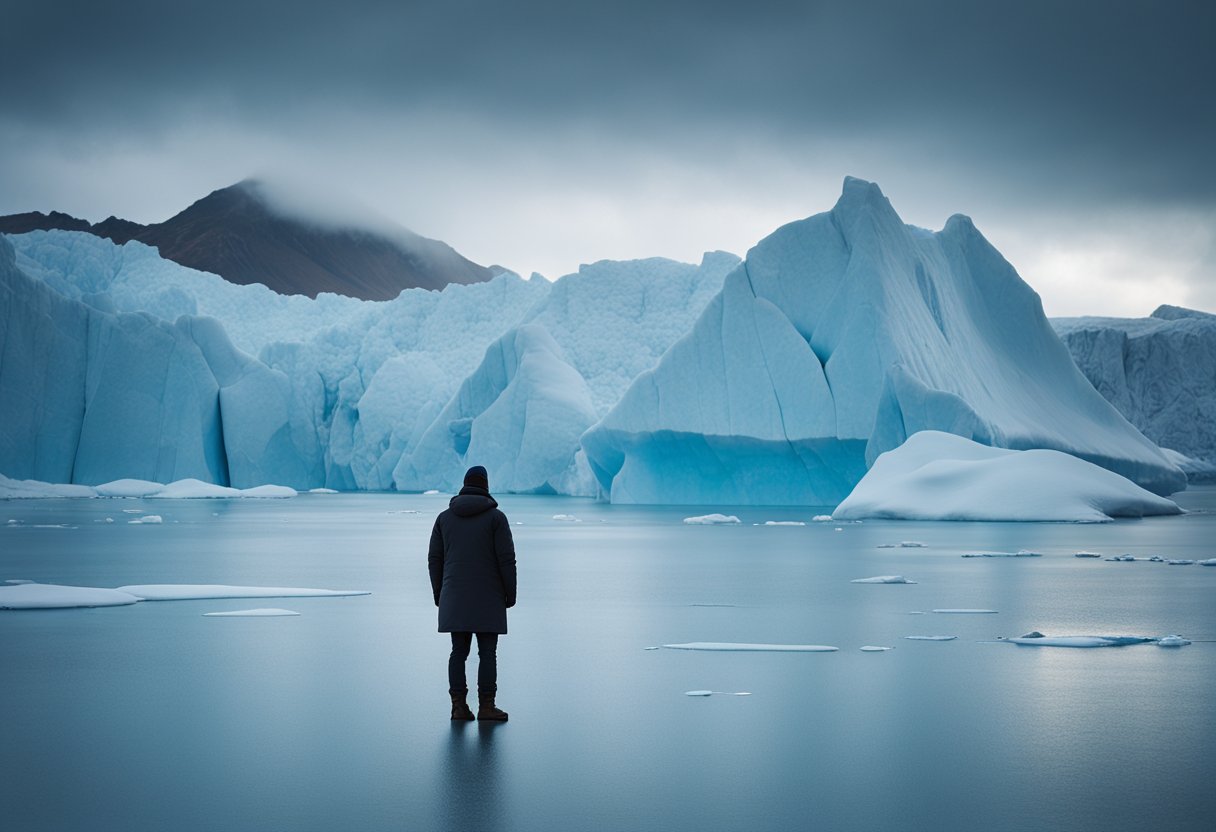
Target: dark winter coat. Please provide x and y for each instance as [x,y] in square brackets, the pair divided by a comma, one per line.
[472,564]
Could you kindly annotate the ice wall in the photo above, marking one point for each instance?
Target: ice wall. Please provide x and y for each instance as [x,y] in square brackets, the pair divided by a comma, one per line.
[1159,371]
[838,337]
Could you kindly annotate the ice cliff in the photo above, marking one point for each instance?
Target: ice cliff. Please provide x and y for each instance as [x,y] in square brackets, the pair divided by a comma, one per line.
[1159,372]
[837,338]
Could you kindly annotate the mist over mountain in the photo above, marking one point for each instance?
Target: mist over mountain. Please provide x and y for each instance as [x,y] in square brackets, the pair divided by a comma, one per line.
[252,232]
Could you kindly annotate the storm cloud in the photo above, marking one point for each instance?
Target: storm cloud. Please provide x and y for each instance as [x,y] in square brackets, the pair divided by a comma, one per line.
[539,135]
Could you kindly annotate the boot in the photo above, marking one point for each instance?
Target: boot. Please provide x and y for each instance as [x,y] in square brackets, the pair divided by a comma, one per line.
[460,708]
[486,710]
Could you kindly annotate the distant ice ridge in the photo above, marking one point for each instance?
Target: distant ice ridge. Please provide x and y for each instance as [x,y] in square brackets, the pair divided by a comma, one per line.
[837,338]
[1160,372]
[11,489]
[940,476]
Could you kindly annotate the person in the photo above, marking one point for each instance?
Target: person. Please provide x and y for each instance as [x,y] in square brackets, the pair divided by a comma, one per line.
[472,565]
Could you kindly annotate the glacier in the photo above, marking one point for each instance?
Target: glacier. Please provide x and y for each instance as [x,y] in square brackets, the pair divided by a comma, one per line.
[1160,373]
[778,379]
[837,338]
[119,364]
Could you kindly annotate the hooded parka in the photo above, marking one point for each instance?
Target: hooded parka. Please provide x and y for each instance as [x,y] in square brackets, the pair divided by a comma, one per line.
[472,564]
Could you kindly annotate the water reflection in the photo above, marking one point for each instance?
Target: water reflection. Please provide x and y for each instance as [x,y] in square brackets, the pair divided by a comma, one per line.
[470,795]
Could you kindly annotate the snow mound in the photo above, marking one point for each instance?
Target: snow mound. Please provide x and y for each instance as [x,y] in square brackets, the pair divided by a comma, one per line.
[882,579]
[712,520]
[941,476]
[190,592]
[30,596]
[323,491]
[731,646]
[269,492]
[255,613]
[11,489]
[129,488]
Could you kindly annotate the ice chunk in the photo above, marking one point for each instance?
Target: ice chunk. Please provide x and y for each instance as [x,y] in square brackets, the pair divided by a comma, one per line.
[1087,554]
[871,648]
[731,646]
[1172,641]
[1180,562]
[325,491]
[698,692]
[255,613]
[1037,639]
[147,519]
[966,612]
[1208,562]
[30,596]
[712,520]
[784,523]
[1021,553]
[931,638]
[882,579]
[903,544]
[940,476]
[822,518]
[568,518]
[186,592]
[431,491]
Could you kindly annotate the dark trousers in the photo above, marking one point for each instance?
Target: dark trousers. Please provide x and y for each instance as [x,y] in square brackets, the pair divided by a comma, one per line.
[487,661]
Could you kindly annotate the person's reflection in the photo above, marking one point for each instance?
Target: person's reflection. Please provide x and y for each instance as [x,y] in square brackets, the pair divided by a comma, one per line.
[471,796]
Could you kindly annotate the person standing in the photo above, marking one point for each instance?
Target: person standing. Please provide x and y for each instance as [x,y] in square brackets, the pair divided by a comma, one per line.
[472,564]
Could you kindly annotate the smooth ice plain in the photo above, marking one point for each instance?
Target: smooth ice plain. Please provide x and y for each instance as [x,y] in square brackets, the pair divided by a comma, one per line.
[151,716]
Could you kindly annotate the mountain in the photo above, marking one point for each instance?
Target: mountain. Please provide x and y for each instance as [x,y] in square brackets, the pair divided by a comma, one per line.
[837,338]
[1159,372]
[243,235]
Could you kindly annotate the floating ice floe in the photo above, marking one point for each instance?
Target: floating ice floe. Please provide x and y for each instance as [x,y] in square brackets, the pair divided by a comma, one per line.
[883,579]
[1172,641]
[941,476]
[261,612]
[1208,562]
[965,612]
[712,520]
[190,592]
[822,518]
[698,604]
[743,647]
[567,518]
[931,638]
[147,520]
[1037,639]
[32,596]
[14,522]
[431,491]
[903,544]
[1180,562]
[1087,554]
[871,648]
[784,523]
[716,693]
[322,491]
[1021,553]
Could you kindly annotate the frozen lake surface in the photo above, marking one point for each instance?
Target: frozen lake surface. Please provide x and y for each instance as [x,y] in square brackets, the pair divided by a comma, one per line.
[151,716]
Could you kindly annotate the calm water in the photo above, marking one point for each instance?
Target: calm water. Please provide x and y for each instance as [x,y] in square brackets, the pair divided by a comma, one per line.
[153,717]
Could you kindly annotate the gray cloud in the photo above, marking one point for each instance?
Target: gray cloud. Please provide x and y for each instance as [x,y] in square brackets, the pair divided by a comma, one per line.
[610,128]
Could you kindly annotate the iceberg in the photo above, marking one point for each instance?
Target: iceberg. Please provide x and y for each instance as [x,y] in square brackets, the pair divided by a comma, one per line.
[941,476]
[837,338]
[1157,371]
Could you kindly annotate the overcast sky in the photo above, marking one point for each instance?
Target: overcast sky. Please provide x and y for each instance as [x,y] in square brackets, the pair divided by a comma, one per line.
[539,135]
